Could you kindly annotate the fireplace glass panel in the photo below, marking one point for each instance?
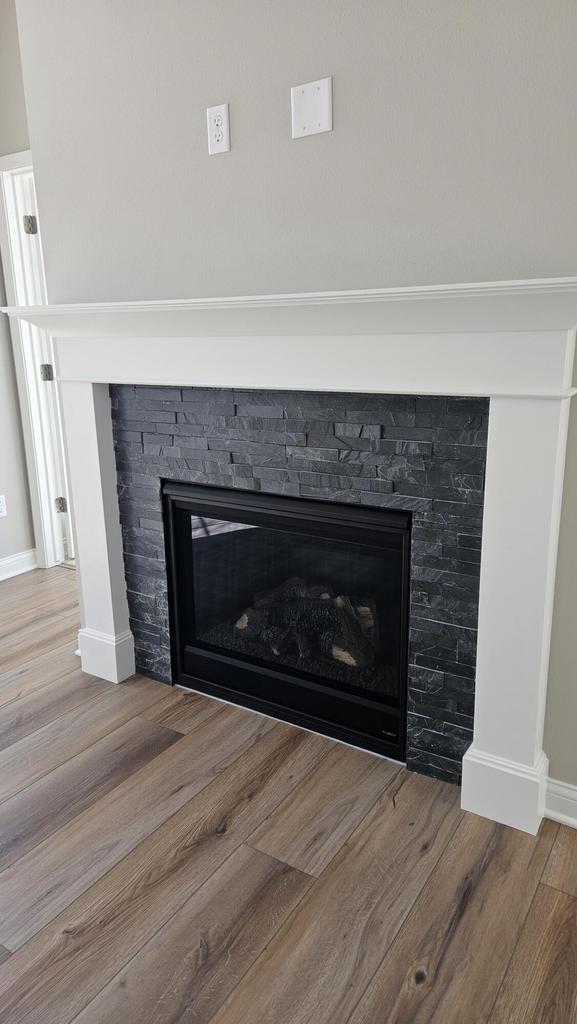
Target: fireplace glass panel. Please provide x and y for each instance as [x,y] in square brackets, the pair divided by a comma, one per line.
[293,607]
[321,607]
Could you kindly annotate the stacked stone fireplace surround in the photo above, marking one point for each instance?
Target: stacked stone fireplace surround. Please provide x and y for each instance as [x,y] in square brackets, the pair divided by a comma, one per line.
[425,455]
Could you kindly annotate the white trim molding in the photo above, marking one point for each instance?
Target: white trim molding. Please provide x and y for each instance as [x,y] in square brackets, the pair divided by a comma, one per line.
[531,305]
[506,791]
[561,802]
[15,565]
[106,656]
[513,342]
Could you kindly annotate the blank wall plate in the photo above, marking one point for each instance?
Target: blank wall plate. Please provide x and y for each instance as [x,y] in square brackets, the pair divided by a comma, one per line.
[3,511]
[218,127]
[312,108]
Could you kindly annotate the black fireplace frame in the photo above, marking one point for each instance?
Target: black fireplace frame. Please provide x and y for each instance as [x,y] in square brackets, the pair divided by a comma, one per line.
[326,519]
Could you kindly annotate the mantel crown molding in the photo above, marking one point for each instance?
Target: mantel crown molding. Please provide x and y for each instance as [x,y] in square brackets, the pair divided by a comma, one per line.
[548,304]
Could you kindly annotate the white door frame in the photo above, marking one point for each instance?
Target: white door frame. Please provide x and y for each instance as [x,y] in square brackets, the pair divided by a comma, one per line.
[39,400]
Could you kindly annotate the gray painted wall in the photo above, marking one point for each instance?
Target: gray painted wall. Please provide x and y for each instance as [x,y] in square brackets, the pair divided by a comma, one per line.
[16,529]
[453,159]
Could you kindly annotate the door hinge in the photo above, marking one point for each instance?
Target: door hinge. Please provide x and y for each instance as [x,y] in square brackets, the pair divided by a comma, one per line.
[61,504]
[30,224]
[46,371]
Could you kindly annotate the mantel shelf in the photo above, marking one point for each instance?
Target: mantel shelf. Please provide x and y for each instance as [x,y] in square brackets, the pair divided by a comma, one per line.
[497,306]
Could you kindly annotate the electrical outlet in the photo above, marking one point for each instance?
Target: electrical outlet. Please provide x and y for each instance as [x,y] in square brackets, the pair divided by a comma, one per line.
[3,511]
[218,126]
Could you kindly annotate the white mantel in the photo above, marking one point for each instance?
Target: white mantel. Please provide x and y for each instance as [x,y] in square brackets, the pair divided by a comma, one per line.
[511,341]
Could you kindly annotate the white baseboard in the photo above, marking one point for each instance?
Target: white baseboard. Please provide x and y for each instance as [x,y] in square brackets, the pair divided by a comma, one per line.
[561,802]
[14,565]
[106,656]
[505,791]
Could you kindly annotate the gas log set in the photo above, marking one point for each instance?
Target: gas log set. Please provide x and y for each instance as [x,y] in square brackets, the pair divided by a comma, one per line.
[310,620]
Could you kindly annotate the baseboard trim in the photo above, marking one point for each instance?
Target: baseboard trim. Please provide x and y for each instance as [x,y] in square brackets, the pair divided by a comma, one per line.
[106,656]
[561,802]
[15,565]
[505,791]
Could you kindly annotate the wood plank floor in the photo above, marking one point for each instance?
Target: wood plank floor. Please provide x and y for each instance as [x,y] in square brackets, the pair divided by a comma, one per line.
[165,858]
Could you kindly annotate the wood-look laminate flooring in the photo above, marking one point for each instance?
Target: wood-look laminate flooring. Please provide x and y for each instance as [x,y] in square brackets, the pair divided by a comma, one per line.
[166,858]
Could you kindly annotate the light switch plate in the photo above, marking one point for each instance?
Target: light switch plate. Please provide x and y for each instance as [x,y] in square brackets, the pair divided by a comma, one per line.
[218,127]
[312,108]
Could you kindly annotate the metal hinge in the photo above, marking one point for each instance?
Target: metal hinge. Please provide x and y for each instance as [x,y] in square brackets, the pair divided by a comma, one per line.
[61,504]
[46,371]
[30,224]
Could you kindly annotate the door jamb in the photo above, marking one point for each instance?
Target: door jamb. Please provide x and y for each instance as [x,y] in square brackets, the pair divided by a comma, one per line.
[39,409]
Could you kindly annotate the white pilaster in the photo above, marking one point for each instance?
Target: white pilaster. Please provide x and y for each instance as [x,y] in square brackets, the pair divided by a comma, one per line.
[505,769]
[105,641]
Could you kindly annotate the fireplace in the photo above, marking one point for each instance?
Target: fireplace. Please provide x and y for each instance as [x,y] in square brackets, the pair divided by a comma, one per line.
[294,607]
[396,378]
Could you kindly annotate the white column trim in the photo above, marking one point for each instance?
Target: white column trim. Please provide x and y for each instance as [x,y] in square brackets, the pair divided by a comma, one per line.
[105,641]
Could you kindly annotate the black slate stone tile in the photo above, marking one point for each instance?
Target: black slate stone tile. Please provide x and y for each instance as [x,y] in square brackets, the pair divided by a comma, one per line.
[268,411]
[444,738]
[461,613]
[471,512]
[120,434]
[151,524]
[247,447]
[211,407]
[464,450]
[142,583]
[452,667]
[142,425]
[172,394]
[445,769]
[432,406]
[278,426]
[344,429]
[364,483]
[139,565]
[455,565]
[426,547]
[457,581]
[466,541]
[463,554]
[302,407]
[394,501]
[326,466]
[469,406]
[345,442]
[275,487]
[249,458]
[260,436]
[388,446]
[363,458]
[202,420]
[406,433]
[425,678]
[330,494]
[250,397]
[444,707]
[158,438]
[406,469]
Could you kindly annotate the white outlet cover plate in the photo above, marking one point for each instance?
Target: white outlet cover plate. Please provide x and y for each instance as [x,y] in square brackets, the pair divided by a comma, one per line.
[312,108]
[218,127]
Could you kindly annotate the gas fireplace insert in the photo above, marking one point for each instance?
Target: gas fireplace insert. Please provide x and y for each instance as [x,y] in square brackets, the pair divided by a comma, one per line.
[292,607]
